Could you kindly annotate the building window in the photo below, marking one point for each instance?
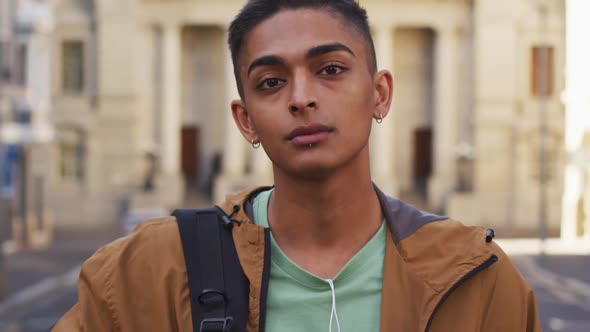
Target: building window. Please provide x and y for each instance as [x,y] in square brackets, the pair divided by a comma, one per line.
[3,75]
[71,155]
[542,71]
[73,66]
[21,64]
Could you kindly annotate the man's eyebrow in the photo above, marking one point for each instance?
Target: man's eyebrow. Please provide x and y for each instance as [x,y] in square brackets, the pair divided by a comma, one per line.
[327,48]
[273,60]
[266,60]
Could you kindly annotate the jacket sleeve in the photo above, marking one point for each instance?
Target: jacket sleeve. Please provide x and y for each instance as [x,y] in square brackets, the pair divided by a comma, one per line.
[94,311]
[495,299]
[511,303]
[136,283]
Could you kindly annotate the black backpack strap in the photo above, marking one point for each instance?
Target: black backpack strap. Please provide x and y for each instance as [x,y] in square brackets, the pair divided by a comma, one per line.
[217,285]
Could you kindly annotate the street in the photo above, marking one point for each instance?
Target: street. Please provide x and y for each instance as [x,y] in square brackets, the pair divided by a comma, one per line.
[42,284]
[562,289]
[561,284]
[43,314]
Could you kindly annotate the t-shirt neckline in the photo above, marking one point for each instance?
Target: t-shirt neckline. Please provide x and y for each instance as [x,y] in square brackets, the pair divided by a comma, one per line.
[282,261]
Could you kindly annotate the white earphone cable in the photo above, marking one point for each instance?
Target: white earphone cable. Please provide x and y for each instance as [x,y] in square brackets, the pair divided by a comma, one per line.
[334,313]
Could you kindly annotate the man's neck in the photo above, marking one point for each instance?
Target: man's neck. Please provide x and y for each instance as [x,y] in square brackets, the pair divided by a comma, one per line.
[321,224]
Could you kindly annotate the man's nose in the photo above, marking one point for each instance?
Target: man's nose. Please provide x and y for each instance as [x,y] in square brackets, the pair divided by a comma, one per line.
[302,97]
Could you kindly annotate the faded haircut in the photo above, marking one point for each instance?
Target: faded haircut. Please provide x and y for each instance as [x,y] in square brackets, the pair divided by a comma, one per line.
[257,11]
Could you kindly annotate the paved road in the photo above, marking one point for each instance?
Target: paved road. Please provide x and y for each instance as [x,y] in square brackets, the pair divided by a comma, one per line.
[559,316]
[42,284]
[562,290]
[41,316]
[577,267]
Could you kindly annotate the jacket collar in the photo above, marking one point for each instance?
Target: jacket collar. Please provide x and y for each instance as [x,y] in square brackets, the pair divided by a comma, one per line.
[426,257]
[403,219]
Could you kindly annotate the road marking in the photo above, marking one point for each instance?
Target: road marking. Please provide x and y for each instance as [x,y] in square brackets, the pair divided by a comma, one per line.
[34,293]
[557,324]
[568,290]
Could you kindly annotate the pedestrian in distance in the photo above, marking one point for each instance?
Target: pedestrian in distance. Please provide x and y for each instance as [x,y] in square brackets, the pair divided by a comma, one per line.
[323,249]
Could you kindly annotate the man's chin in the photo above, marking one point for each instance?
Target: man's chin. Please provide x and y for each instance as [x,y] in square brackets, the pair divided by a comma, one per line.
[310,172]
[317,167]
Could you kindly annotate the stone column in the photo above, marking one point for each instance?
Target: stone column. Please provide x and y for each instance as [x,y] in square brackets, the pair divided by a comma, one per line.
[577,122]
[171,99]
[570,212]
[170,116]
[382,138]
[235,146]
[446,117]
[234,154]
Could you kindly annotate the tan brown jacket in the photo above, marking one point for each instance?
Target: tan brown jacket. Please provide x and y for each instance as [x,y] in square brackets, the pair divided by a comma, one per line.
[439,275]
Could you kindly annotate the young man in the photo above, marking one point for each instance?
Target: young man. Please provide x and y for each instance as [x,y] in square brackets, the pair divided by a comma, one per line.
[340,255]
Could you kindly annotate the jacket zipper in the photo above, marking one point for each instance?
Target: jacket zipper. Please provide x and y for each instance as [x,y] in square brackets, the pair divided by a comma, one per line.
[265,280]
[471,273]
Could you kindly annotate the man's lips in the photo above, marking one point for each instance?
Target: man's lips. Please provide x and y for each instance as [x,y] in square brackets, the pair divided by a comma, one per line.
[309,134]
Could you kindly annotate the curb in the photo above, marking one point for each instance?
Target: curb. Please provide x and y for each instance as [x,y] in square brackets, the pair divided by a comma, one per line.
[550,246]
[28,296]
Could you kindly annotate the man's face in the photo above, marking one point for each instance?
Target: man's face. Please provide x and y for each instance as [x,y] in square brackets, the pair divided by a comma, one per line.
[309,94]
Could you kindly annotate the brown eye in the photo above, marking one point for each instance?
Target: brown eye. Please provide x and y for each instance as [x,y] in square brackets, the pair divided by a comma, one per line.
[332,70]
[270,83]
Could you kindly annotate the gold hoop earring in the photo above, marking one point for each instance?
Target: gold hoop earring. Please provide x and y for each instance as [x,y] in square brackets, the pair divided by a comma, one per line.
[255,144]
[380,119]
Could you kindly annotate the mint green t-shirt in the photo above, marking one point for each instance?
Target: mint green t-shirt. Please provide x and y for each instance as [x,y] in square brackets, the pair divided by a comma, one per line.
[299,301]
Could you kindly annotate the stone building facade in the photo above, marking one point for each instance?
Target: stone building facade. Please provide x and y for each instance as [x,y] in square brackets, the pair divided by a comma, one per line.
[139,78]
[26,134]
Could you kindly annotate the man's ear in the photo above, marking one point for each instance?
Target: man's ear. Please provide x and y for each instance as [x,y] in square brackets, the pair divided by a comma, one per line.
[243,120]
[383,93]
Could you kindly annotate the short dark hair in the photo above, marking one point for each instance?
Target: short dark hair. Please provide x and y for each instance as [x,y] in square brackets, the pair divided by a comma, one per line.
[257,11]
